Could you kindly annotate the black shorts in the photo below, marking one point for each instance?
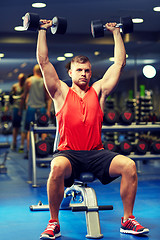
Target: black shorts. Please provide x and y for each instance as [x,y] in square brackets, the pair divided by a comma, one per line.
[95,161]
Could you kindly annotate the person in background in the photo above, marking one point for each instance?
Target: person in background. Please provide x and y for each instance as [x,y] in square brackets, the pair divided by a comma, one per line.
[16,93]
[37,100]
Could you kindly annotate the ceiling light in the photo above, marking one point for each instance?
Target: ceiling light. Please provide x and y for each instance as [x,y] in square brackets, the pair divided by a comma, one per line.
[111,59]
[1,55]
[137,20]
[68,54]
[149,71]
[61,58]
[38,5]
[19,28]
[96,53]
[156,9]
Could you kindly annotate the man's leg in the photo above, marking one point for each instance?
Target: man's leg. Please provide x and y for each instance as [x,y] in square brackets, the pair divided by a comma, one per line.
[126,168]
[60,170]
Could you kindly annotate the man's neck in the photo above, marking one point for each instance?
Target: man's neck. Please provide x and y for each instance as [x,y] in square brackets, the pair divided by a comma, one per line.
[80,90]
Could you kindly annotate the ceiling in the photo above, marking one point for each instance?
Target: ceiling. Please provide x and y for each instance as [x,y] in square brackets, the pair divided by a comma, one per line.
[19,48]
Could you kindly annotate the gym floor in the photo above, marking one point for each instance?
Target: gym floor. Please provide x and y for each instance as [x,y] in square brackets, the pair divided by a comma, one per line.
[16,195]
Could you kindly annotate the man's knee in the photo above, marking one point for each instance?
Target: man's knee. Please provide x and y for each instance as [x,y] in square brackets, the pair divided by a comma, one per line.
[60,168]
[130,168]
[122,165]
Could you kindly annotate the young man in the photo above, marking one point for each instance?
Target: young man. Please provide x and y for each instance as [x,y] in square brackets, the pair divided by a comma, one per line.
[79,112]
[36,98]
[17,90]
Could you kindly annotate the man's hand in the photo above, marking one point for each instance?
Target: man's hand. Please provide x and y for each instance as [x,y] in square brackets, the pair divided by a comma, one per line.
[46,23]
[111,27]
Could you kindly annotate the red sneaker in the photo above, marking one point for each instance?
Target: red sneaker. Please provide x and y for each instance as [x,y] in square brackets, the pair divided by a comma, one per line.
[131,226]
[52,231]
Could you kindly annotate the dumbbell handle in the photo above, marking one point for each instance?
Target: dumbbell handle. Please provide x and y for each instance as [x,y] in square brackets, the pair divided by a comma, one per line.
[41,23]
[117,26]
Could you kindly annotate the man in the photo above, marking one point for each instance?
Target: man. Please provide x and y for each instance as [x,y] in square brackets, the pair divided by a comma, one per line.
[37,99]
[79,112]
[17,91]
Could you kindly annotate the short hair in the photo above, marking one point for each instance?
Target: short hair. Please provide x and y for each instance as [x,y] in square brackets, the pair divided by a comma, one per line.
[37,70]
[78,59]
[21,78]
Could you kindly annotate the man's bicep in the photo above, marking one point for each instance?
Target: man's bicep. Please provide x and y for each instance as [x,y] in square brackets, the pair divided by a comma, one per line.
[110,78]
[51,79]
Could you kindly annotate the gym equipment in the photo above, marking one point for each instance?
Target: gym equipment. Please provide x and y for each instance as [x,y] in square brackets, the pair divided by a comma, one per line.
[110,117]
[126,117]
[141,147]
[80,197]
[43,148]
[42,120]
[32,22]
[155,147]
[125,147]
[98,28]
[110,145]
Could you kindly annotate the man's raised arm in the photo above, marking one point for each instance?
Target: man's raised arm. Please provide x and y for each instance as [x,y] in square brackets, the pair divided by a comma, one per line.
[51,79]
[112,75]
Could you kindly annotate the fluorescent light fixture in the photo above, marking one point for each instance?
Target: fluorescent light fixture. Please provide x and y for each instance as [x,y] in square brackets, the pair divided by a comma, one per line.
[137,20]
[19,28]
[1,55]
[38,5]
[61,58]
[68,54]
[156,9]
[149,71]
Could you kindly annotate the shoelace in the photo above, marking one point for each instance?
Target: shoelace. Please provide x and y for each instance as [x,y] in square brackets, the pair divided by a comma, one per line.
[51,226]
[135,222]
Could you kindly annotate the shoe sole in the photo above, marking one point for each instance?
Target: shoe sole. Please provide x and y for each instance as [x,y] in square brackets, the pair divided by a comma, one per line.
[145,231]
[50,238]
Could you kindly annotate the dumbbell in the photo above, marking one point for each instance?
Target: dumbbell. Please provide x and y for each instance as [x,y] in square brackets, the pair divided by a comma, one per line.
[43,148]
[125,147]
[141,147]
[110,145]
[98,28]
[155,147]
[126,117]
[31,22]
[42,120]
[110,117]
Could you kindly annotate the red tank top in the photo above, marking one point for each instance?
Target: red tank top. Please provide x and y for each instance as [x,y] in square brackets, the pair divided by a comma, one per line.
[80,122]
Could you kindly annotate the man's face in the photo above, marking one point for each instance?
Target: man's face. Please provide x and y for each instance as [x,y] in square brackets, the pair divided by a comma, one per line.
[80,73]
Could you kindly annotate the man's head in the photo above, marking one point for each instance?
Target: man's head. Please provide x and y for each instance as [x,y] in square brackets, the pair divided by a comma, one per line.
[79,69]
[37,70]
[21,79]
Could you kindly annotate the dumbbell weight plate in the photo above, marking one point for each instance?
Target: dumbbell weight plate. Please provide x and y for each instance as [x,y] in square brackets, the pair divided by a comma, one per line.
[42,148]
[31,21]
[97,28]
[125,147]
[127,24]
[59,25]
[141,147]
[42,120]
